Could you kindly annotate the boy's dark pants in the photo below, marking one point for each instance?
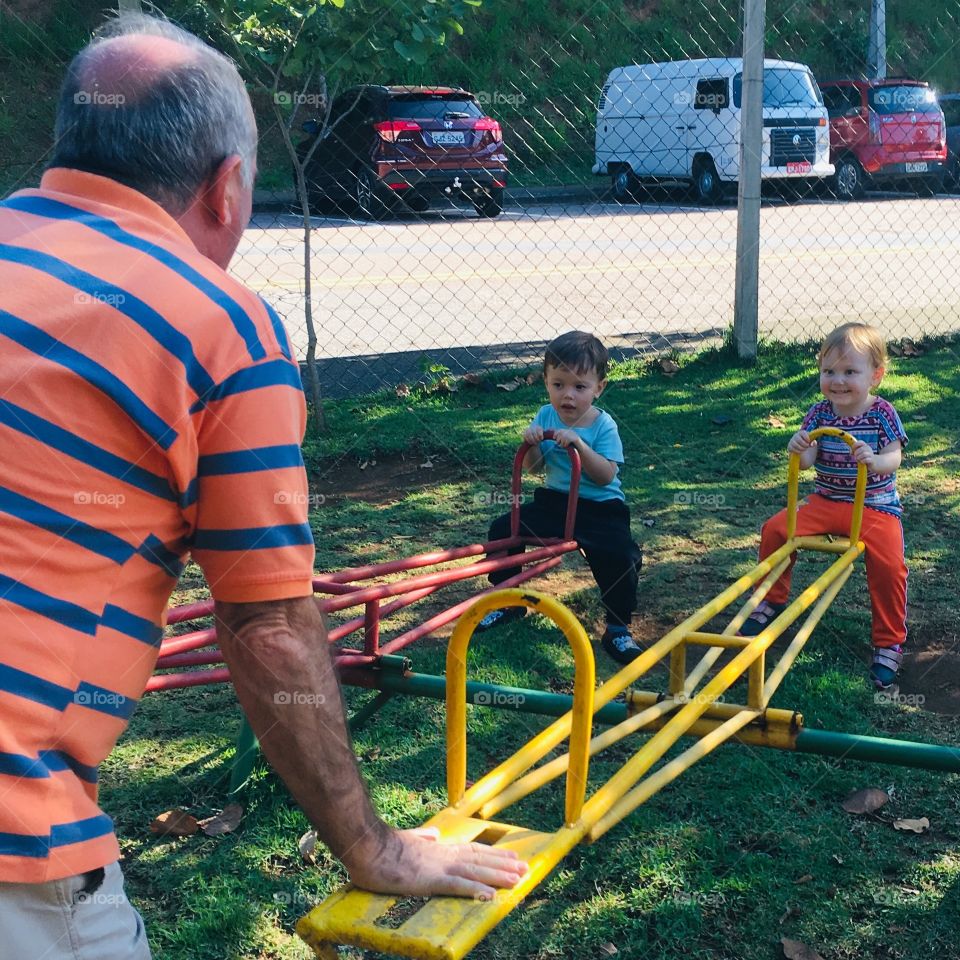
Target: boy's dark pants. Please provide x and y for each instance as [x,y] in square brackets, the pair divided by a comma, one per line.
[603,532]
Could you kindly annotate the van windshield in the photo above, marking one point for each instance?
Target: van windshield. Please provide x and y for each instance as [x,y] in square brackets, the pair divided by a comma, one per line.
[907,98]
[783,87]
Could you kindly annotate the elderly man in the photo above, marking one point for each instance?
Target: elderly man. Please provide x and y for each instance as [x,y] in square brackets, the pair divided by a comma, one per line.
[150,408]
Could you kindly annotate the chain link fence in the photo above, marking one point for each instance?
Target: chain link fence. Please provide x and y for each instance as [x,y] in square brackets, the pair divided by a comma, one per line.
[573,165]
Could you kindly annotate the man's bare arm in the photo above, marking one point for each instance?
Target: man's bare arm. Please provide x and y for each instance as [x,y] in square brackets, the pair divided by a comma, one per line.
[284,676]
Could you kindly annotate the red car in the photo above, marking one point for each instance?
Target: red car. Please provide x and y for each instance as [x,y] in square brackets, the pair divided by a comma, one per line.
[414,145]
[884,130]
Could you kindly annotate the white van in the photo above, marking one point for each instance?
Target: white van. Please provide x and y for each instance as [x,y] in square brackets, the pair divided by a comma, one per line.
[681,120]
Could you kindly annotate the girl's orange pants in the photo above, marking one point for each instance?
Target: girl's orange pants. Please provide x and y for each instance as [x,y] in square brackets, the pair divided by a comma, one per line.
[882,534]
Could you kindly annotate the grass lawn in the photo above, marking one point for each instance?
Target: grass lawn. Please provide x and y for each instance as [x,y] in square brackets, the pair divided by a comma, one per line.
[748,847]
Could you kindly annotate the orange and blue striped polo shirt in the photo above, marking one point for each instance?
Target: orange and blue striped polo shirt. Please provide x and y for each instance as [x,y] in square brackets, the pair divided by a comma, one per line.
[149,410]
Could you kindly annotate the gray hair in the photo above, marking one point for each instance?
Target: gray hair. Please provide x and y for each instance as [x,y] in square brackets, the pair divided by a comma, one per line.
[168,137]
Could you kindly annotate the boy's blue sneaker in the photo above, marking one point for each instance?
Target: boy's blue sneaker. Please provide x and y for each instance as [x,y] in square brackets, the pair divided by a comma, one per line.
[885,666]
[761,618]
[620,645]
[497,618]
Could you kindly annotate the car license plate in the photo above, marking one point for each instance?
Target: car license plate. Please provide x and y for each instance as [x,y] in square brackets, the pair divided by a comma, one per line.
[798,166]
[454,137]
[916,168]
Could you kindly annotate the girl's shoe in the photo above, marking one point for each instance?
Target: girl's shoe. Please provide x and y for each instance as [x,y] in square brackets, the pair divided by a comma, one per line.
[885,666]
[497,618]
[761,618]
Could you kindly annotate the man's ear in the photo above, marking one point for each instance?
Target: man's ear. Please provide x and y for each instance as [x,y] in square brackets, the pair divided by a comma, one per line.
[220,194]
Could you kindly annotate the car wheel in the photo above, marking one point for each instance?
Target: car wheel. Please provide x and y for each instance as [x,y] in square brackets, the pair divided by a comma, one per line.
[623,185]
[366,195]
[491,205]
[706,183]
[848,180]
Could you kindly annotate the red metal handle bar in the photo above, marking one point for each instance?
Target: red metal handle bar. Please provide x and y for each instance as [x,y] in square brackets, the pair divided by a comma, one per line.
[575,469]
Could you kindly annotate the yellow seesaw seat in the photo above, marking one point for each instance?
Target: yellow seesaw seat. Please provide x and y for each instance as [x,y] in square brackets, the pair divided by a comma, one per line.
[446,928]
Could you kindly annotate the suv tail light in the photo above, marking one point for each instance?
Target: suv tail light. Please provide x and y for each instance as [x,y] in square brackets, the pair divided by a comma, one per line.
[874,127]
[487,124]
[389,130]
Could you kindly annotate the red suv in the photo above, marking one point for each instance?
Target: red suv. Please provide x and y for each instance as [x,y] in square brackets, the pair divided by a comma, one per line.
[418,145]
[884,129]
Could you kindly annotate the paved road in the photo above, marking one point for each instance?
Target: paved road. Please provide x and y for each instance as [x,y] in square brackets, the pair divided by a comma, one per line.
[467,292]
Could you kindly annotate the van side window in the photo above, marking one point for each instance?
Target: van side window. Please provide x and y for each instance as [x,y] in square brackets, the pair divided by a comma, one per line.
[712,95]
[841,101]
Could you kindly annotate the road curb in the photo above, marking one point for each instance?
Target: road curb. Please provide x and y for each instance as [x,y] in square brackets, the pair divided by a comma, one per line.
[267,201]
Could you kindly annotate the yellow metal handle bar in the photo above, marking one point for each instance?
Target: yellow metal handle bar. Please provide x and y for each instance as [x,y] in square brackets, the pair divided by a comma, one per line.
[793,485]
[583,687]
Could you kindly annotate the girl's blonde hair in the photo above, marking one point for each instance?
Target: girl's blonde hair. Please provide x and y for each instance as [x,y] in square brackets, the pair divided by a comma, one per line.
[858,336]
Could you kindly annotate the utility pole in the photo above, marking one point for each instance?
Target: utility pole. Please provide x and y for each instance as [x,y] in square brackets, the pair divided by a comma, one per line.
[746,296]
[877,41]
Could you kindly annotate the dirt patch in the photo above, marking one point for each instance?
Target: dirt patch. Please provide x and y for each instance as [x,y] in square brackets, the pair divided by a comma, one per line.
[383,480]
[933,672]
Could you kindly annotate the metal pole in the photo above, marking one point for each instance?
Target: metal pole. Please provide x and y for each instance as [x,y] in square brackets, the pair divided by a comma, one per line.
[877,41]
[745,309]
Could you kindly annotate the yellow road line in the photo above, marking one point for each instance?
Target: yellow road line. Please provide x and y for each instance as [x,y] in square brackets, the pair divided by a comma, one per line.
[669,263]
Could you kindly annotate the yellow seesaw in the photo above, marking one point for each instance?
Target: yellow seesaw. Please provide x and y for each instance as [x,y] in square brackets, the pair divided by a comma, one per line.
[447,928]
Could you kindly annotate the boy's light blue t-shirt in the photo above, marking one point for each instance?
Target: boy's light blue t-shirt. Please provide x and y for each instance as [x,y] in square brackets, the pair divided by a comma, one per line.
[602,436]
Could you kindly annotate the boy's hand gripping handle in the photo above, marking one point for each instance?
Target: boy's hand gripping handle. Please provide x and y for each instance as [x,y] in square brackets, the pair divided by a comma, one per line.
[575,469]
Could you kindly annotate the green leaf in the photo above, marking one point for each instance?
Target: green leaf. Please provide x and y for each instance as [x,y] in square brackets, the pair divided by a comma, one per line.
[418,33]
[454,26]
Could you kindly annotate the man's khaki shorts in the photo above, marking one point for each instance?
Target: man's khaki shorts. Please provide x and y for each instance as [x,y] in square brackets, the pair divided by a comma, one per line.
[87,917]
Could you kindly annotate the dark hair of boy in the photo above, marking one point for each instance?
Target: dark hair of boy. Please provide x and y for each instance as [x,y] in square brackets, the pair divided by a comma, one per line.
[577,351]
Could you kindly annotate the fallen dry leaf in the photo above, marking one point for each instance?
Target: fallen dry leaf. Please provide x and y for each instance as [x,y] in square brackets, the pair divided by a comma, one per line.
[224,822]
[427,464]
[919,416]
[533,377]
[472,378]
[403,390]
[510,386]
[895,350]
[307,844]
[609,949]
[865,801]
[669,368]
[175,823]
[795,950]
[914,826]
[775,422]
[909,348]
[806,878]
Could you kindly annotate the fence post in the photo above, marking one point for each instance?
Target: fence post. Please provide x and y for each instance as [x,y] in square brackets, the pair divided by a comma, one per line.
[745,304]
[877,41]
